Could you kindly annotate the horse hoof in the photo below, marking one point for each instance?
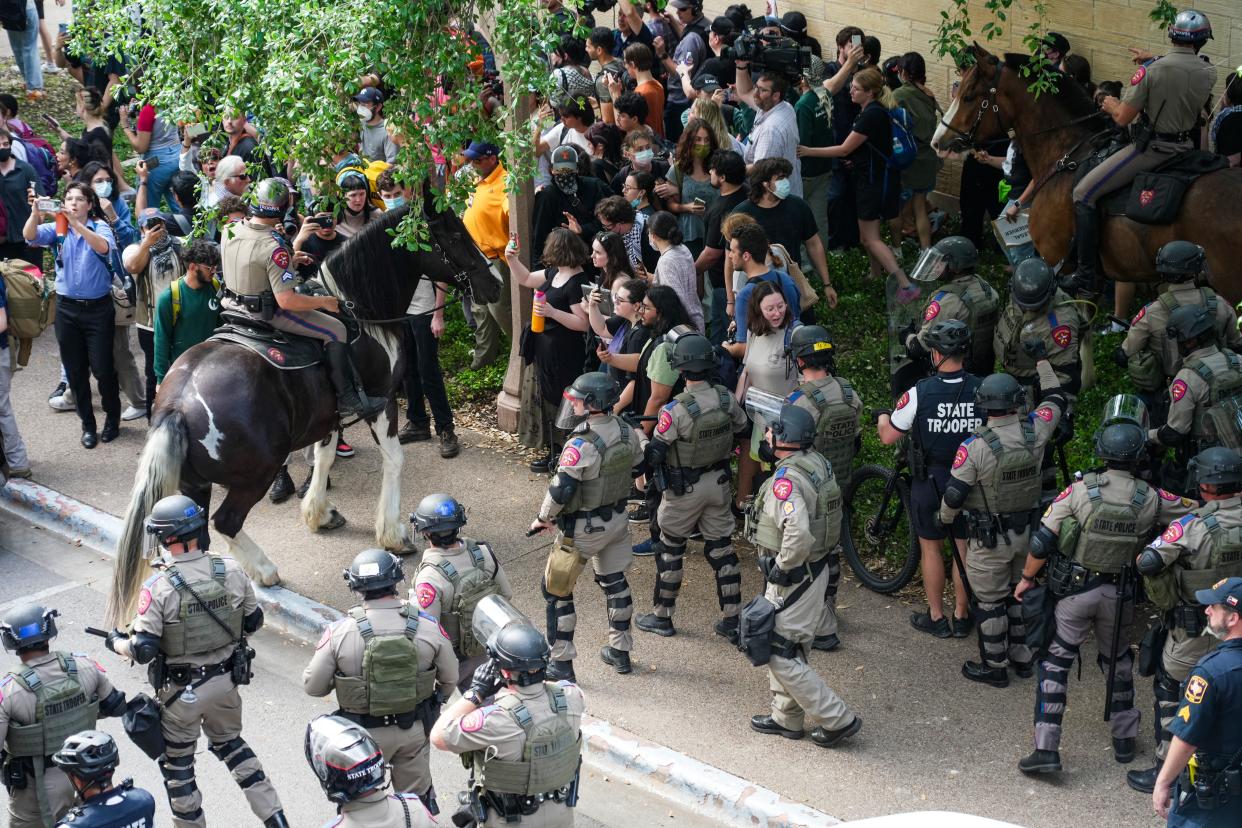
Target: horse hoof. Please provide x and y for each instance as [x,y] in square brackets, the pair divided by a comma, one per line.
[269,577]
[335,521]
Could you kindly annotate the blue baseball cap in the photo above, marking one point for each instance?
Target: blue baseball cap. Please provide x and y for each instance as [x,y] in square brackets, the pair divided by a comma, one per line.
[1227,592]
[480,149]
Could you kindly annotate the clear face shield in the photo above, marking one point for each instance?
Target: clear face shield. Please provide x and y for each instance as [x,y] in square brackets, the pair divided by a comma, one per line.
[572,411]
[151,546]
[1126,408]
[931,266]
[760,405]
[491,615]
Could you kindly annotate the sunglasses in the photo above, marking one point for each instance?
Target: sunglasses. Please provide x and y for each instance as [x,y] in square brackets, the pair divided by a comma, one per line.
[242,176]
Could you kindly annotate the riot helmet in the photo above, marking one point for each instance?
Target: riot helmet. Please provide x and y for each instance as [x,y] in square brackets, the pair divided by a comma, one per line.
[1191,327]
[1032,285]
[271,198]
[374,570]
[440,517]
[950,256]
[1126,408]
[694,356]
[27,626]
[1190,28]
[91,756]
[511,639]
[1217,466]
[594,392]
[1180,261]
[1000,394]
[175,519]
[1120,444]
[345,758]
[794,428]
[951,338]
[813,345]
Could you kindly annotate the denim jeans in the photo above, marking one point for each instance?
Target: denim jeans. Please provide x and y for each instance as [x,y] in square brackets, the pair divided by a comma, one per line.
[159,178]
[25,46]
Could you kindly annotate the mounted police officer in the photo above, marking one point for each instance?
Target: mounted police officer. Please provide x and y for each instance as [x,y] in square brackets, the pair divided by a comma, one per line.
[349,765]
[1040,322]
[689,454]
[524,749]
[994,482]
[1091,533]
[193,616]
[794,523]
[1169,93]
[1207,730]
[89,759]
[391,667]
[965,296]
[454,574]
[586,499]
[1206,394]
[54,695]
[1148,354]
[258,272]
[937,413]
[836,408]
[1195,552]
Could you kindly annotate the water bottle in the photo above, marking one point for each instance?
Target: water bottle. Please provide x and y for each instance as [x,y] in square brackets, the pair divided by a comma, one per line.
[536,319]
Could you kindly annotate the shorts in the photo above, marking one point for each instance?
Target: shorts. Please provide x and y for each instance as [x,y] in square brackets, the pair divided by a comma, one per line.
[873,203]
[925,506]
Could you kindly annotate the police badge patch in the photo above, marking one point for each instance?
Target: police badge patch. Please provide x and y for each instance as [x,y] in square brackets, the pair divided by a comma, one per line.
[1177,390]
[933,308]
[904,401]
[1064,494]
[425,593]
[1138,76]
[570,456]
[665,422]
[1062,335]
[1142,312]
[1195,689]
[782,488]
[144,602]
[959,459]
[280,257]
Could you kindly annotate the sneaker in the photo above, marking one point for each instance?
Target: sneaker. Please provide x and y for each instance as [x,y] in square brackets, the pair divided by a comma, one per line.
[1040,761]
[36,95]
[23,473]
[133,412]
[411,433]
[908,294]
[922,621]
[653,623]
[826,643]
[51,69]
[449,447]
[344,449]
[60,389]
[64,402]
[640,514]
[645,549]
[824,737]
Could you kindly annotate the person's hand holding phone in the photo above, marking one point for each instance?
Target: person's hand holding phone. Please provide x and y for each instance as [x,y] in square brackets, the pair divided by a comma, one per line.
[143,172]
[32,198]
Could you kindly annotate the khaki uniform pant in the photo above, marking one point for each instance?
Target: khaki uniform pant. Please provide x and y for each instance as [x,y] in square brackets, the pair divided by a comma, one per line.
[1120,168]
[706,507]
[24,804]
[309,323]
[217,713]
[797,690]
[549,815]
[828,618]
[1180,655]
[992,573]
[409,754]
[493,319]
[609,549]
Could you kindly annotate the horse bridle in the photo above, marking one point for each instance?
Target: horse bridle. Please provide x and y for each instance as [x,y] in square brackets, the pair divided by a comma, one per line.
[984,105]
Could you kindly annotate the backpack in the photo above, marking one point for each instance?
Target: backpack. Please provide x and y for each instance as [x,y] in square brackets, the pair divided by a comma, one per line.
[39,154]
[1220,422]
[175,287]
[469,588]
[905,146]
[31,302]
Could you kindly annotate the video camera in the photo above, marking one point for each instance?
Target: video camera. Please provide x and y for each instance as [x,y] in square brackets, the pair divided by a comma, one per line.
[771,53]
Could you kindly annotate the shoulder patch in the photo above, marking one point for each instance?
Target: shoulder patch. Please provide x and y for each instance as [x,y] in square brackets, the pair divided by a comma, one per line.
[904,401]
[1174,532]
[788,507]
[665,421]
[473,722]
[959,459]
[1138,76]
[1177,390]
[782,488]
[1062,335]
[1142,312]
[1044,413]
[280,258]
[1195,688]
[1064,493]
[425,593]
[570,456]
[933,309]
[144,601]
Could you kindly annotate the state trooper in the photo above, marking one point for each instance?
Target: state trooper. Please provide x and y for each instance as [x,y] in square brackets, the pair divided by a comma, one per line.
[1090,533]
[350,767]
[586,499]
[193,616]
[391,667]
[90,759]
[995,483]
[1149,355]
[524,749]
[1193,553]
[1206,394]
[689,453]
[1040,322]
[938,413]
[54,695]
[836,408]
[257,267]
[794,523]
[454,574]
[965,296]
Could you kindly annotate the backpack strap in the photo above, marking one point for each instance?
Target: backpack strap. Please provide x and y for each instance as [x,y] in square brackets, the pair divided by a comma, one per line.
[988,436]
[217,569]
[595,440]
[1141,492]
[556,699]
[476,554]
[725,396]
[175,288]
[847,391]
[691,404]
[29,679]
[449,571]
[175,578]
[1028,432]
[803,464]
[817,397]
[515,708]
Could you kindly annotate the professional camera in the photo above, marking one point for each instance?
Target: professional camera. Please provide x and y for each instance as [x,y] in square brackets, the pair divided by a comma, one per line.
[771,53]
[592,6]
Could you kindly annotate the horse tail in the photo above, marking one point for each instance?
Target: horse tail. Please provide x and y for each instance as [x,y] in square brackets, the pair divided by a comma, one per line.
[158,476]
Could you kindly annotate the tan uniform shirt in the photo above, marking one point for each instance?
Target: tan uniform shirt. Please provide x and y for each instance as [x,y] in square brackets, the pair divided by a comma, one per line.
[789,501]
[947,305]
[159,603]
[1116,487]
[1058,328]
[1189,391]
[255,258]
[1187,542]
[676,420]
[581,461]
[433,591]
[1172,90]
[1147,328]
[340,649]
[17,704]
[379,809]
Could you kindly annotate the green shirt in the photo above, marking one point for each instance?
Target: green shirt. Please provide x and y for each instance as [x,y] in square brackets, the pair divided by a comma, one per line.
[197,319]
[658,367]
[814,130]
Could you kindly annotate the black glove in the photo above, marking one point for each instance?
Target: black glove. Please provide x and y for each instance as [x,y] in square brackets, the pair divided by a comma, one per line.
[876,413]
[113,637]
[1035,348]
[772,573]
[487,679]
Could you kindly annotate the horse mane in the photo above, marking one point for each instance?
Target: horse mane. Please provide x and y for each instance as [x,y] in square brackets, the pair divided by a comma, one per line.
[370,271]
[1069,94]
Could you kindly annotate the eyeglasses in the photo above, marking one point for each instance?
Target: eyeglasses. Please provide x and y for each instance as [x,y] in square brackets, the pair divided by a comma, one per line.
[242,176]
[618,300]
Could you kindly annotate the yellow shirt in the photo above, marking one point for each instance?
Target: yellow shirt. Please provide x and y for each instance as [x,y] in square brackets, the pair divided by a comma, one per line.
[487,217]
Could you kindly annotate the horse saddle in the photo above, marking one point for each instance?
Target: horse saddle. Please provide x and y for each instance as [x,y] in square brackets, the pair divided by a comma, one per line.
[1155,197]
[281,350]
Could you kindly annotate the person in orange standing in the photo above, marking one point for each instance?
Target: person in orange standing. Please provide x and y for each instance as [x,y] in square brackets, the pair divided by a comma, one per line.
[487,220]
[638,62]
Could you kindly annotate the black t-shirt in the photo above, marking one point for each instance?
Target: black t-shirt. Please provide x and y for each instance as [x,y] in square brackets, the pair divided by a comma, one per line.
[844,110]
[789,223]
[874,123]
[1229,134]
[713,238]
[319,249]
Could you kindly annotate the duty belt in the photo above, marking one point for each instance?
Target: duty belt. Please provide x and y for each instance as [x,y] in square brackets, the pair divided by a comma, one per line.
[691,475]
[184,674]
[1017,522]
[811,569]
[402,720]
[1081,579]
[604,512]
[1173,137]
[512,805]
[251,302]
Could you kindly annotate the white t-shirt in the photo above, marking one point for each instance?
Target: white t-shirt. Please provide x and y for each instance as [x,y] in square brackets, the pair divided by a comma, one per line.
[424,299]
[557,135]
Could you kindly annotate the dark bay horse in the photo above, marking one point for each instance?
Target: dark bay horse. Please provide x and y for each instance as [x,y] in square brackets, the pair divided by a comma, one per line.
[225,416]
[994,98]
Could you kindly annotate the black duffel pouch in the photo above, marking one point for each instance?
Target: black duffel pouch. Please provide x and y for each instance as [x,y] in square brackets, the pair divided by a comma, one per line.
[141,721]
[1038,613]
[1155,198]
[1150,648]
[755,625]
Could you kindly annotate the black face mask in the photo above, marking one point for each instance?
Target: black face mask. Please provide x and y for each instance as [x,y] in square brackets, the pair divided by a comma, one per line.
[6,153]
[567,183]
[767,453]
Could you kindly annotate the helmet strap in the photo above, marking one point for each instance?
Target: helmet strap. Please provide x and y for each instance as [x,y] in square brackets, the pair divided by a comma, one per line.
[526,679]
[442,539]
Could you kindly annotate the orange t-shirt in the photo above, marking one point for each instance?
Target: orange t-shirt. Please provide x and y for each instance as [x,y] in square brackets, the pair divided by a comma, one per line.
[653,92]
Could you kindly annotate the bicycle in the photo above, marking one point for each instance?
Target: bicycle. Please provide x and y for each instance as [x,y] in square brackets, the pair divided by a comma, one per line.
[876,535]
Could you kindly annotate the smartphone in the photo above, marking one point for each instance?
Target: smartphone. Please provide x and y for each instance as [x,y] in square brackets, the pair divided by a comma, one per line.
[52,122]
[605,298]
[856,40]
[63,28]
[324,222]
[699,202]
[195,130]
[48,205]
[152,163]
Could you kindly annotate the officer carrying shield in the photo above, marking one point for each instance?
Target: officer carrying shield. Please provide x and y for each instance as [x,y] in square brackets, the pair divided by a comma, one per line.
[391,667]
[1039,322]
[54,695]
[1195,552]
[965,296]
[524,749]
[193,616]
[90,759]
[689,454]
[454,574]
[350,768]
[586,499]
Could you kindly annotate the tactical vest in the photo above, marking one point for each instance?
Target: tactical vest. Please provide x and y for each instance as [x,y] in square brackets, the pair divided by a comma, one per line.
[1218,421]
[1014,486]
[1150,368]
[982,312]
[762,529]
[196,631]
[1224,558]
[945,416]
[1013,356]
[469,588]
[391,682]
[711,437]
[550,756]
[836,425]
[1112,534]
[61,710]
[614,480]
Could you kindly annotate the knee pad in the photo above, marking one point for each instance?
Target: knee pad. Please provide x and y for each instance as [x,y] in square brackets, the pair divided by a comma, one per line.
[612,584]
[222,750]
[177,768]
[553,599]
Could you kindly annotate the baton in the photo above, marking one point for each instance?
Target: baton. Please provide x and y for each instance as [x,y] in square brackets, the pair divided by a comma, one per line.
[95,631]
[1123,581]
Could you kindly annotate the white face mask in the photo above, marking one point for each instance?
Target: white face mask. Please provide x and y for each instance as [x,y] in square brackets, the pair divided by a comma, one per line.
[103,189]
[364,112]
[781,188]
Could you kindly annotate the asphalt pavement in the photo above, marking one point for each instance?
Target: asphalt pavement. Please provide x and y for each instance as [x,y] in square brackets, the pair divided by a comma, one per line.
[930,740]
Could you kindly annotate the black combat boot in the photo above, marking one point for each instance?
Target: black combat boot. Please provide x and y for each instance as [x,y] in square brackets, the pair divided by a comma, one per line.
[653,623]
[276,820]
[982,673]
[282,486]
[1041,761]
[619,659]
[1123,750]
[764,723]
[1085,282]
[824,737]
[561,671]
[1144,780]
[350,398]
[727,627]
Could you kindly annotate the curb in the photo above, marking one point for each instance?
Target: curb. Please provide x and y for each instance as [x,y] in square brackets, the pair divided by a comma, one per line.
[611,750]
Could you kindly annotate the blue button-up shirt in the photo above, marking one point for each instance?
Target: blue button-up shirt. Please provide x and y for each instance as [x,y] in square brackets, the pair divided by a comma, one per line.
[81,273]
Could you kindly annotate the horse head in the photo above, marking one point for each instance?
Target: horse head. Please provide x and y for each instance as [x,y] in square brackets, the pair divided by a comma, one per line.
[471,270]
[975,114]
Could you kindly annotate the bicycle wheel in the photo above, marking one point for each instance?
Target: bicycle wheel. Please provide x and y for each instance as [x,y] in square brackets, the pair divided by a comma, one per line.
[876,536]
